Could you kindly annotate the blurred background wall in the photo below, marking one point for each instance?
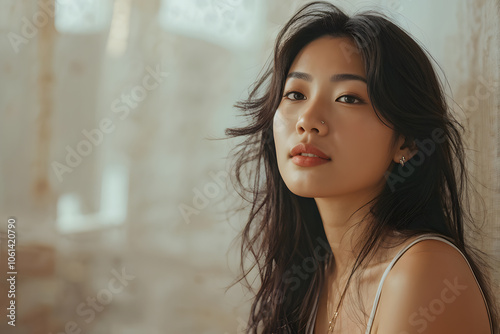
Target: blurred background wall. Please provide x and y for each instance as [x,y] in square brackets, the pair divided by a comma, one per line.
[119,196]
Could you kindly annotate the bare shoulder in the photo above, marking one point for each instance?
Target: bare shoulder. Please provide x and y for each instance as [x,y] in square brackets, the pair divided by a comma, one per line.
[431,289]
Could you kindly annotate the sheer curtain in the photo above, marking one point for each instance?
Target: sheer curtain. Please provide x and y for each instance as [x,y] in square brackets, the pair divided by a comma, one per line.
[118,194]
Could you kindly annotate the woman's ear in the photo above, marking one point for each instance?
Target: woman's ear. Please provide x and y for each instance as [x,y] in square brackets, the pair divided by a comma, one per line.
[406,147]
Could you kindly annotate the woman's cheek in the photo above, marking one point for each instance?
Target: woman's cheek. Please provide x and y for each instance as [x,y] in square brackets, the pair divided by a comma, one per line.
[279,131]
[279,122]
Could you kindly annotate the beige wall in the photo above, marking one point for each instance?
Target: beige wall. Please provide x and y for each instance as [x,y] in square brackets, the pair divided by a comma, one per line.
[118,209]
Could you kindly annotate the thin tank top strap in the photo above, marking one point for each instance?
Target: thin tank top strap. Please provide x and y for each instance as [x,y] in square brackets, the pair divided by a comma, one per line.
[396,258]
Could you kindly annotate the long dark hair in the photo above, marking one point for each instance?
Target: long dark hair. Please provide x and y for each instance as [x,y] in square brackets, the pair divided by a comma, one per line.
[284,231]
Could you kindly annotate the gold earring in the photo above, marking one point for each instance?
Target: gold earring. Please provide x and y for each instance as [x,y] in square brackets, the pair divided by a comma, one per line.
[402,161]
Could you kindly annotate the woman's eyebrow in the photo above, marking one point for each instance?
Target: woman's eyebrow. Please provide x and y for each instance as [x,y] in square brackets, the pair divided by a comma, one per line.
[333,78]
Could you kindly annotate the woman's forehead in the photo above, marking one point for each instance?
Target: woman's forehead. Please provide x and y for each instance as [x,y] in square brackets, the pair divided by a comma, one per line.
[332,54]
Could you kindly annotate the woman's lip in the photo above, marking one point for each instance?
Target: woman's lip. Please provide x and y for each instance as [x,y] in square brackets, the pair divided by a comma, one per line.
[308,148]
[305,161]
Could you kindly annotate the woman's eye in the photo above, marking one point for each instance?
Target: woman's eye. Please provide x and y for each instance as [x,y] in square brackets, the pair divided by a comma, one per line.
[294,96]
[349,99]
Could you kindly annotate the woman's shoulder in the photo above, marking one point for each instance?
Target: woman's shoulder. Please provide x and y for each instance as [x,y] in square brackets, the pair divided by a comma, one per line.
[431,288]
[429,257]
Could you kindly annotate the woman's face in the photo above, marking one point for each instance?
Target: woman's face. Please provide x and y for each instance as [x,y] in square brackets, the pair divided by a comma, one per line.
[326,82]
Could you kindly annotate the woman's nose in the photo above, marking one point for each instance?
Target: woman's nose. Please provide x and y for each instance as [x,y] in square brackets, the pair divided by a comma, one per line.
[311,122]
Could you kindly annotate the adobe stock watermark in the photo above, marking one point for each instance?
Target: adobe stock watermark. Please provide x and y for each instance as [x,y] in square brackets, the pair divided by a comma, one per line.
[426,148]
[222,15]
[88,309]
[203,196]
[308,266]
[30,27]
[425,315]
[121,106]
[484,89]
[297,274]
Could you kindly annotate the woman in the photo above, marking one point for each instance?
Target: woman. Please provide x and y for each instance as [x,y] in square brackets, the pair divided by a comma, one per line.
[358,225]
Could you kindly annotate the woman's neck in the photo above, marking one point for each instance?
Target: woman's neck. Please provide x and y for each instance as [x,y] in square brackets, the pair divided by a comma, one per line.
[345,220]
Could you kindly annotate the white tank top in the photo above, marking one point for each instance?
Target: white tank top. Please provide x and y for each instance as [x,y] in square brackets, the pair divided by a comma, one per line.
[312,319]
